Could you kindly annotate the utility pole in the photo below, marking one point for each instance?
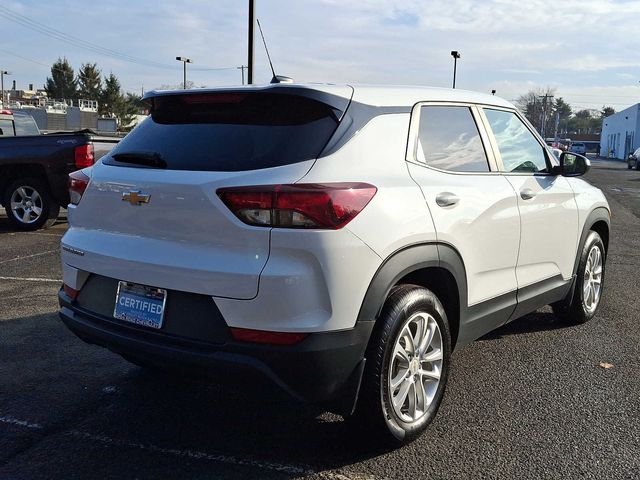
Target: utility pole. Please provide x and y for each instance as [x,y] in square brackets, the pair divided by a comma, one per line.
[252,26]
[544,114]
[456,55]
[242,67]
[184,61]
[2,74]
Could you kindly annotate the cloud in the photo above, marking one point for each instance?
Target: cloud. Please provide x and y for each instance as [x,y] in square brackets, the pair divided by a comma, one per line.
[505,44]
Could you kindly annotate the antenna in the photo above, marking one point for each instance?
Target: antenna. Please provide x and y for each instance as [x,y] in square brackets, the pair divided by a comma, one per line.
[266,49]
[276,78]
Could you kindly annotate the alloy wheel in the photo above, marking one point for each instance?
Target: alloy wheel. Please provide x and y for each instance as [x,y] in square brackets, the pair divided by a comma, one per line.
[416,367]
[26,204]
[592,283]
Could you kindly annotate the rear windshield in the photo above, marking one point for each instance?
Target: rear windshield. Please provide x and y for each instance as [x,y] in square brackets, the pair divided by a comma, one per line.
[6,128]
[25,125]
[231,131]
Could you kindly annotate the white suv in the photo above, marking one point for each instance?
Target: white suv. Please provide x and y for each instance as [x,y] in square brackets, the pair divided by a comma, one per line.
[341,241]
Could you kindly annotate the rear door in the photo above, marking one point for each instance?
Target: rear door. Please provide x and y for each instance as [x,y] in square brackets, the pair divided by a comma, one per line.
[474,209]
[547,205]
[151,215]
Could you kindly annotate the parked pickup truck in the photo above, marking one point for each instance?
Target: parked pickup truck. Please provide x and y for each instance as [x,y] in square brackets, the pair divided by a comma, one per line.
[34,168]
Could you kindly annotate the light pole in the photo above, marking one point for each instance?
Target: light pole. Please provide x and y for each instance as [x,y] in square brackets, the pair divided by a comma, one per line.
[2,74]
[250,53]
[456,55]
[184,61]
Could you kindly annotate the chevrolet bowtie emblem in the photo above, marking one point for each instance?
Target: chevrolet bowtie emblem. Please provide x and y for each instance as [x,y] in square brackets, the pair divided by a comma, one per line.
[135,197]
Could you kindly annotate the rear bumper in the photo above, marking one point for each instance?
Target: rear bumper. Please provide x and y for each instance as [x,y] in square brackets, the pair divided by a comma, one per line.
[324,367]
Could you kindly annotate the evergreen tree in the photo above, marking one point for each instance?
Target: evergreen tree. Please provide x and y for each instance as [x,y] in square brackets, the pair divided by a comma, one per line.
[563,110]
[111,97]
[89,82]
[607,112]
[62,83]
[129,106]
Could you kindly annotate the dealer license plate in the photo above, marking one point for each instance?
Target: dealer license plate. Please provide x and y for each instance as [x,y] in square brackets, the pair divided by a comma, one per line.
[140,304]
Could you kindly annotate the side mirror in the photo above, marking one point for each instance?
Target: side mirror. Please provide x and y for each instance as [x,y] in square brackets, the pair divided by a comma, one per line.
[573,164]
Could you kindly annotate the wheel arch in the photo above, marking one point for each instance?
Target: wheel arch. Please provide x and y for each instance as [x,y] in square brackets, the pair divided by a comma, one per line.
[436,266]
[9,173]
[599,220]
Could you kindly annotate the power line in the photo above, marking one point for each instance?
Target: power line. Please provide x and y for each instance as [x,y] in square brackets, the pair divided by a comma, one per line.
[95,48]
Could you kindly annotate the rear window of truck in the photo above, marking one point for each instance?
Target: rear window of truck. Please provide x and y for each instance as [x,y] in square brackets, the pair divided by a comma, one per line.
[25,125]
[231,131]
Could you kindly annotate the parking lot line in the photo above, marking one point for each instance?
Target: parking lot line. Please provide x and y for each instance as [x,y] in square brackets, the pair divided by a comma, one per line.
[22,279]
[29,256]
[59,235]
[21,423]
[216,457]
[187,453]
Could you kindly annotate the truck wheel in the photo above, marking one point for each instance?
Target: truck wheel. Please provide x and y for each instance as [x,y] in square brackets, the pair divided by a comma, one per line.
[408,361]
[29,204]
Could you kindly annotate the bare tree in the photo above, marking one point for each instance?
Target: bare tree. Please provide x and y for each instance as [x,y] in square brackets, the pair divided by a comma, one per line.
[537,105]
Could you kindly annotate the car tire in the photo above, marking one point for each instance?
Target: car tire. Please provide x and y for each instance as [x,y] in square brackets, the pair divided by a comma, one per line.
[637,165]
[391,405]
[29,204]
[588,285]
[629,166]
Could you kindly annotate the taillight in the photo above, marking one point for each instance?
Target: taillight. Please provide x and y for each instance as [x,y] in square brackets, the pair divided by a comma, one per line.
[263,336]
[78,183]
[84,156]
[307,205]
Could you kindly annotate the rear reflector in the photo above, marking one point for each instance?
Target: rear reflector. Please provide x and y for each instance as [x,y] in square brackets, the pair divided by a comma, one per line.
[84,156]
[262,336]
[71,292]
[304,205]
[78,183]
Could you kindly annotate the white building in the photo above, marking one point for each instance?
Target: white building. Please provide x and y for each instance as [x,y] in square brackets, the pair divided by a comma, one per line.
[621,133]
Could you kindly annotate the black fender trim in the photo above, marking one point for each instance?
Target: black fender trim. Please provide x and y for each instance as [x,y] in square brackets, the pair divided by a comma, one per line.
[395,266]
[598,214]
[474,321]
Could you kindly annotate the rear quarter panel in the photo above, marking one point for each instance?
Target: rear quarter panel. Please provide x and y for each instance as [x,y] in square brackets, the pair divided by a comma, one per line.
[397,215]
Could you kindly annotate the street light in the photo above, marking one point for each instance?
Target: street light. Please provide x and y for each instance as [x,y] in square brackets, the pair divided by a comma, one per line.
[2,74]
[456,55]
[184,61]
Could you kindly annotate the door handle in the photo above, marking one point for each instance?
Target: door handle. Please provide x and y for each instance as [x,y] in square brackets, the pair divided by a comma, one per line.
[527,194]
[446,199]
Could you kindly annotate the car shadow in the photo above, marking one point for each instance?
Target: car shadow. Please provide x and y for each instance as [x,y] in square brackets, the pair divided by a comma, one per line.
[108,401]
[7,227]
[538,321]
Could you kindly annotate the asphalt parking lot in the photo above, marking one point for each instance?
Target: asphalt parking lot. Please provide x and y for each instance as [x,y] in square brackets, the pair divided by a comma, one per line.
[530,400]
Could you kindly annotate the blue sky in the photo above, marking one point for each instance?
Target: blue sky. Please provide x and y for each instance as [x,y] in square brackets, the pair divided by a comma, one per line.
[587,50]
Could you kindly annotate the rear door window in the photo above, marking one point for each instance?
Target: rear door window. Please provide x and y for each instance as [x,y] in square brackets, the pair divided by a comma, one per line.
[232,131]
[448,139]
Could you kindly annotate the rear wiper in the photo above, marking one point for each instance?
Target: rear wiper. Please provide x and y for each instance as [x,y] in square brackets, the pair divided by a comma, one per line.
[150,159]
